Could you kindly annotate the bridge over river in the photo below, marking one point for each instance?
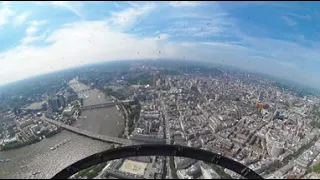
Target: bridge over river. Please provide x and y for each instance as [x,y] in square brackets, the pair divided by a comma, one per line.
[99,137]
[107,104]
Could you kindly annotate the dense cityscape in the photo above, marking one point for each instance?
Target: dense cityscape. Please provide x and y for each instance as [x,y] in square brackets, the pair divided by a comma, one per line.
[267,125]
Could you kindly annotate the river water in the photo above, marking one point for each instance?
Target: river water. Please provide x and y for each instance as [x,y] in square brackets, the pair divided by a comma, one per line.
[39,157]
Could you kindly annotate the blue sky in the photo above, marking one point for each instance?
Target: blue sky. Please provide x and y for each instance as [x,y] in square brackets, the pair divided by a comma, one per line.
[278,38]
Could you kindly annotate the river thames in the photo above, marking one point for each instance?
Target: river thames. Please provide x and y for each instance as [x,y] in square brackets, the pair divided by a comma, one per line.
[39,157]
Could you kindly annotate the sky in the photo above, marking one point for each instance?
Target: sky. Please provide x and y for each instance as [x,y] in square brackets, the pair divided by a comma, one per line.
[277,38]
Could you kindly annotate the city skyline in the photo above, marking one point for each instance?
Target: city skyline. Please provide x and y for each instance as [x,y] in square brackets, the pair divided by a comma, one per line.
[50,36]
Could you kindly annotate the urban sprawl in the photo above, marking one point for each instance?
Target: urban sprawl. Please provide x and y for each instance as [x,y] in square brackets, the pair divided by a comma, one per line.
[247,119]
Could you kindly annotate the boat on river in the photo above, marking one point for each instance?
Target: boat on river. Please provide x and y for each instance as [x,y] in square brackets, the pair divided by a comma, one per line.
[60,144]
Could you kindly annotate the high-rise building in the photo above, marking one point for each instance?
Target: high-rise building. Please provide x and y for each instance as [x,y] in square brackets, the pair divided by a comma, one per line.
[53,104]
[154,79]
[61,101]
[260,98]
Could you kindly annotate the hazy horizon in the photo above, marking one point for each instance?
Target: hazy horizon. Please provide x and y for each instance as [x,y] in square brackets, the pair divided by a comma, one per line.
[165,60]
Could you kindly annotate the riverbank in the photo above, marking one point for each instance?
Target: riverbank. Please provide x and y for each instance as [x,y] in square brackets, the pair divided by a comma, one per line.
[18,144]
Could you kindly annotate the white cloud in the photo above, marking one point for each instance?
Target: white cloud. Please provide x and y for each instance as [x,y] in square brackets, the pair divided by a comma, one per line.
[299,16]
[128,17]
[38,23]
[196,31]
[162,37]
[31,30]
[200,23]
[196,14]
[29,39]
[20,19]
[5,13]
[202,27]
[68,5]
[289,21]
[133,4]
[184,3]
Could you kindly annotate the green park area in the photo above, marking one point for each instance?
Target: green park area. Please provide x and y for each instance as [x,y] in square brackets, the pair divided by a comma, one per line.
[316,168]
